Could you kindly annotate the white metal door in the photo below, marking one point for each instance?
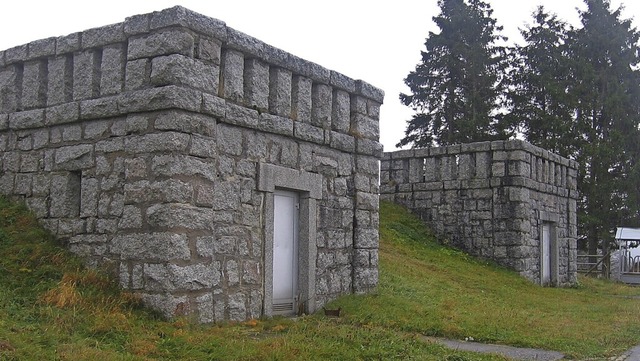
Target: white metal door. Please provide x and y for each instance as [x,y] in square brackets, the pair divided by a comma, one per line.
[285,251]
[545,264]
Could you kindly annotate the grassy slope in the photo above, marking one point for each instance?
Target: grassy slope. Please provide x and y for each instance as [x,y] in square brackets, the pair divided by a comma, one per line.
[51,308]
[443,292]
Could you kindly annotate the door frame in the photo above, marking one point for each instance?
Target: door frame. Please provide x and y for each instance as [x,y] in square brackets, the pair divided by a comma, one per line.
[309,188]
[553,253]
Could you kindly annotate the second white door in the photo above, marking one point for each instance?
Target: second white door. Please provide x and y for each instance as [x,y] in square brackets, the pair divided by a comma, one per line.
[545,264]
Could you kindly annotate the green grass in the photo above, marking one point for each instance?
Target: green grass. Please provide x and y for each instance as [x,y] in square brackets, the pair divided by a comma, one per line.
[443,292]
[51,308]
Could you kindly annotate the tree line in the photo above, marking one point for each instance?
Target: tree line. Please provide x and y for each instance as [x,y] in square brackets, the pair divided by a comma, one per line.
[574,90]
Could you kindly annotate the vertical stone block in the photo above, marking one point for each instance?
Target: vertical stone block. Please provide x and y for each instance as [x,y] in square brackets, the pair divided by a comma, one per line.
[400,171]
[518,194]
[209,50]
[34,85]
[23,184]
[373,109]
[341,111]
[546,165]
[236,305]
[321,99]
[137,74]
[483,165]
[124,275]
[572,175]
[518,168]
[60,83]
[430,172]
[65,195]
[10,83]
[255,304]
[280,92]
[86,74]
[366,238]
[447,164]
[205,308]
[229,140]
[7,182]
[465,166]
[11,161]
[30,162]
[112,67]
[358,105]
[232,77]
[89,197]
[498,169]
[552,173]
[301,99]
[416,170]
[539,170]
[534,167]
[256,84]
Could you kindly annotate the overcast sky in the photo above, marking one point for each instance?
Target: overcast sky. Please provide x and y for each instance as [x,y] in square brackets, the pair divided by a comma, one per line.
[376,41]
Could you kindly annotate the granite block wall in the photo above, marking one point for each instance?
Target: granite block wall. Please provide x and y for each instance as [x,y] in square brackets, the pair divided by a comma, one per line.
[153,147]
[491,199]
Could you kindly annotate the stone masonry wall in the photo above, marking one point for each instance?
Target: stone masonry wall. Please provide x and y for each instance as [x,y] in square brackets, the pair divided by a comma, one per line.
[141,145]
[491,199]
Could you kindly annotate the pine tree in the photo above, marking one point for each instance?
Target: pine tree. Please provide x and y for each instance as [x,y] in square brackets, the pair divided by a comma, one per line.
[455,89]
[607,88]
[540,103]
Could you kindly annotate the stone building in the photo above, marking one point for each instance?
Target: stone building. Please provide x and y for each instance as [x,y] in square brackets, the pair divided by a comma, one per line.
[215,175]
[508,201]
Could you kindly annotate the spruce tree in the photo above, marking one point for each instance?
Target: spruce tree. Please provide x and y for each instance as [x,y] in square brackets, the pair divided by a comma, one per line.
[607,87]
[456,87]
[541,105]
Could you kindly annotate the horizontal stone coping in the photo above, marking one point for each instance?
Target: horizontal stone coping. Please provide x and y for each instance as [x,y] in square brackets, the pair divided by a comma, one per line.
[181,17]
[488,183]
[492,146]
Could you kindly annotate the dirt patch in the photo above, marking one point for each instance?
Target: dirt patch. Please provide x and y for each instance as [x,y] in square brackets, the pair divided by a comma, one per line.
[6,346]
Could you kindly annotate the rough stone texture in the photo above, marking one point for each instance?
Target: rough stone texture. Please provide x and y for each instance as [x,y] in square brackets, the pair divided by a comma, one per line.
[178,69]
[491,200]
[150,147]
[60,79]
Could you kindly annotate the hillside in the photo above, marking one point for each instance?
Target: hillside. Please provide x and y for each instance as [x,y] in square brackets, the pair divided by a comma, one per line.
[53,308]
